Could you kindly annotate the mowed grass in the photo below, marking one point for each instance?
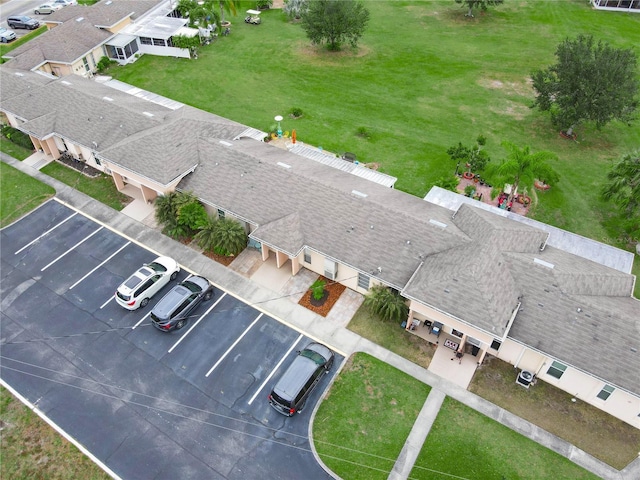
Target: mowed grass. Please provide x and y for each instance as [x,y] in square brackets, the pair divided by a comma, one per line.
[582,425]
[392,336]
[363,423]
[16,151]
[33,450]
[101,188]
[465,444]
[424,78]
[19,194]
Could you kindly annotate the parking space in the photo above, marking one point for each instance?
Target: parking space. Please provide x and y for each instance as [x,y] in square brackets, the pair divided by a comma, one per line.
[191,403]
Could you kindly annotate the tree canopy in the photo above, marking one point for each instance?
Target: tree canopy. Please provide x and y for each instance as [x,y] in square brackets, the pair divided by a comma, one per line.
[590,82]
[334,22]
[623,189]
[481,4]
[474,158]
[523,167]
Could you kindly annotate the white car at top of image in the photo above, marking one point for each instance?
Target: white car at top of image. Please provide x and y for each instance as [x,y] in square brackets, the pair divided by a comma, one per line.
[148,280]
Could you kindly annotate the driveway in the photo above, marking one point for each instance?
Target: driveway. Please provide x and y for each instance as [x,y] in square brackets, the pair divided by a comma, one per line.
[188,404]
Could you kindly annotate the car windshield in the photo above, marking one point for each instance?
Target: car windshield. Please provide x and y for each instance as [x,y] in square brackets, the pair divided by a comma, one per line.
[315,356]
[195,288]
[157,267]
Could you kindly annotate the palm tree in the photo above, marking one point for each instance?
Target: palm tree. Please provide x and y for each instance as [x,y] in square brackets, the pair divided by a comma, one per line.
[230,236]
[386,304]
[525,167]
[228,6]
[205,238]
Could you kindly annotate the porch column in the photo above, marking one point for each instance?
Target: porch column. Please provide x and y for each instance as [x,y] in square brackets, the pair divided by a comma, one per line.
[481,359]
[409,320]
[265,252]
[117,178]
[295,266]
[148,194]
[53,148]
[281,259]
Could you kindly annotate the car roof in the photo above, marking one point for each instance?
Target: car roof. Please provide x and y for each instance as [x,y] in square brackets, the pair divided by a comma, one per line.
[295,377]
[201,282]
[170,301]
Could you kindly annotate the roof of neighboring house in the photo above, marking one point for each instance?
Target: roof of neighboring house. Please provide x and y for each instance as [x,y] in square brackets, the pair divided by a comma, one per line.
[81,29]
[468,262]
[63,44]
[105,13]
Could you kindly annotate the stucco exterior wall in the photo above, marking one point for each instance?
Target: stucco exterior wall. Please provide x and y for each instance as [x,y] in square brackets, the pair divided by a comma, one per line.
[580,385]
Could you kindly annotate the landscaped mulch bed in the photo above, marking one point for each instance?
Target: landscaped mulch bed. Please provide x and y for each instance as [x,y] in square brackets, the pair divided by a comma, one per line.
[334,289]
[81,167]
[223,259]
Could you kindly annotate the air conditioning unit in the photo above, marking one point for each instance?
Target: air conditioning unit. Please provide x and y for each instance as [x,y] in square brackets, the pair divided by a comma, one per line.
[525,378]
[330,269]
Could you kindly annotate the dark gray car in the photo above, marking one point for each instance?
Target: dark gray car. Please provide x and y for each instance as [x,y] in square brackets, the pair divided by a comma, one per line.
[290,394]
[173,311]
[22,21]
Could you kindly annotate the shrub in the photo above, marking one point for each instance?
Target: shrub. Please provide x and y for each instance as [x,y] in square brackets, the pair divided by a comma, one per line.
[16,136]
[296,112]
[104,64]
[364,132]
[317,289]
[230,236]
[448,183]
[192,216]
[386,304]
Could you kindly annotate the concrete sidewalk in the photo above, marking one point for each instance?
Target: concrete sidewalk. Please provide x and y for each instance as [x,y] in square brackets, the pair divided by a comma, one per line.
[331,333]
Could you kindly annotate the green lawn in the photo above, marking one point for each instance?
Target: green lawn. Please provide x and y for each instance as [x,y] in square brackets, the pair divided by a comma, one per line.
[33,450]
[362,425]
[16,151]
[464,444]
[391,336]
[101,188]
[19,194]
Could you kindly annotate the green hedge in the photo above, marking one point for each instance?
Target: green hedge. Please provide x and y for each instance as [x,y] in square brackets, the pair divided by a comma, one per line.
[16,136]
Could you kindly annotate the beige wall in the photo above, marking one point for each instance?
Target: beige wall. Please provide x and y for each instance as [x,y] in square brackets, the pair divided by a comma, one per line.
[120,25]
[347,276]
[580,385]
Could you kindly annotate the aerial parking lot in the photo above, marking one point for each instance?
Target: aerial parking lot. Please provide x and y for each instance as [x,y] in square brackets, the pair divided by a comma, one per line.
[190,403]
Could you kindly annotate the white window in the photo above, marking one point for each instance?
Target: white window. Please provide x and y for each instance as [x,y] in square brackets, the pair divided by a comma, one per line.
[363,281]
[556,369]
[307,256]
[606,392]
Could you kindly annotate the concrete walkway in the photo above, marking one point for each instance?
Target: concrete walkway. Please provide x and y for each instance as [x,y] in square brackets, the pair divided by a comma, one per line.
[331,333]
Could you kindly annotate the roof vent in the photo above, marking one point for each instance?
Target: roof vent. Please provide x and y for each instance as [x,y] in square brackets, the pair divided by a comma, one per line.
[359,194]
[108,99]
[543,263]
[437,223]
[19,74]
[148,114]
[225,143]
[284,165]
[64,82]
[79,19]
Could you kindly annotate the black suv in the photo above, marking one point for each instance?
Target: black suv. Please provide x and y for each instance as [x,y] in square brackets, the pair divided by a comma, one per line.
[22,21]
[296,384]
[172,312]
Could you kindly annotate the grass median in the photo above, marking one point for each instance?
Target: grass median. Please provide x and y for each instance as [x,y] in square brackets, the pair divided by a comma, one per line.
[19,194]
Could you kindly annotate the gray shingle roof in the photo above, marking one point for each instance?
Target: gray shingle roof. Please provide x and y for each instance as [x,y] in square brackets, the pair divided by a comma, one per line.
[477,265]
[63,44]
[105,13]
[596,333]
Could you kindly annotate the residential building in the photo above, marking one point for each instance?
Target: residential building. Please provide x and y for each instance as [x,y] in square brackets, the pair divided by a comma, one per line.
[549,302]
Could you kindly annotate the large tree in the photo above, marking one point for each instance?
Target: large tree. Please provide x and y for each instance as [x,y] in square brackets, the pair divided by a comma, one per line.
[481,4]
[623,188]
[334,22]
[591,81]
[522,167]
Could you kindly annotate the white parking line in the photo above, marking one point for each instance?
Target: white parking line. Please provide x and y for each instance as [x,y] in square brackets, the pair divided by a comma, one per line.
[45,233]
[141,320]
[105,303]
[72,248]
[197,322]
[234,344]
[113,255]
[274,369]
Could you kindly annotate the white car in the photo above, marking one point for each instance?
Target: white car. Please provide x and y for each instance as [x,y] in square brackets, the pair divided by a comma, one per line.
[6,35]
[65,3]
[136,290]
[47,8]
